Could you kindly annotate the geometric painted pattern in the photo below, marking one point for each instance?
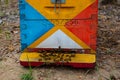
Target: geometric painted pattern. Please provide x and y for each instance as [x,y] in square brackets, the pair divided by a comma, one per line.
[80,34]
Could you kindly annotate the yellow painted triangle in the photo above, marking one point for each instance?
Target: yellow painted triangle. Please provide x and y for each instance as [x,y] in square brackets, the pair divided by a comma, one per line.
[67,11]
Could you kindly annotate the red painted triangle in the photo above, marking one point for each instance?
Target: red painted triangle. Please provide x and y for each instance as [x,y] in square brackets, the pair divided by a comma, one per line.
[84,25]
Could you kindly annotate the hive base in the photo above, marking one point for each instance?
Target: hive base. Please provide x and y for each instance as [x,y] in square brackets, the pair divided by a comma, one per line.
[77,61]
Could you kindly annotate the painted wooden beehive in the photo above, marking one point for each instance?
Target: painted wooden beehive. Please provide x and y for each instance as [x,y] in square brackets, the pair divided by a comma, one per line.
[58,32]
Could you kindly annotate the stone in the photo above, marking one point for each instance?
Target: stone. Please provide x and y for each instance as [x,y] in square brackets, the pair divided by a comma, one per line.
[1,21]
[118,2]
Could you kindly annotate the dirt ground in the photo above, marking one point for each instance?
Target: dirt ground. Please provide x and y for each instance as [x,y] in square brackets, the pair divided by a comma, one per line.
[108,52]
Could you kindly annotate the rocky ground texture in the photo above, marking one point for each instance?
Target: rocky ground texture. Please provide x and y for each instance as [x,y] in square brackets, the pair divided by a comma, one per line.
[108,52]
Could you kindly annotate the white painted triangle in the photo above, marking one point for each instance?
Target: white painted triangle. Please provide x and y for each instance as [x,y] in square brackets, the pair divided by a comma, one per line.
[57,39]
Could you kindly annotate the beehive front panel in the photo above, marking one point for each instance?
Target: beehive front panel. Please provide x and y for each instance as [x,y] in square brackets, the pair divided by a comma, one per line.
[65,25]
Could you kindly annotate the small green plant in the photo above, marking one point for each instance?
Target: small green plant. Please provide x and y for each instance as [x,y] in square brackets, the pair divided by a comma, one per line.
[97,67]
[1,13]
[0,30]
[6,1]
[8,36]
[27,76]
[109,51]
[112,77]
